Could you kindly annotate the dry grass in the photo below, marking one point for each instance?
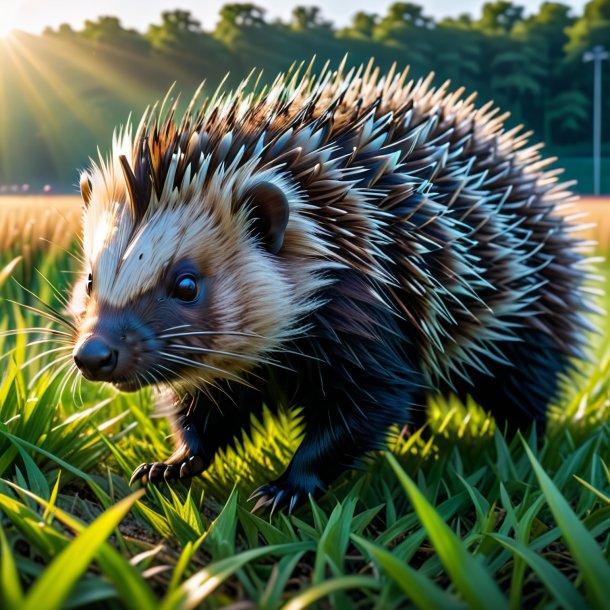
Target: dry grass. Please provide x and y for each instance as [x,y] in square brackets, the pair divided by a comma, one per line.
[42,221]
[598,212]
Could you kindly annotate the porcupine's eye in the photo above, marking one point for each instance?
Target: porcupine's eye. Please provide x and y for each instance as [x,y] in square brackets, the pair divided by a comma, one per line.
[185,288]
[89,285]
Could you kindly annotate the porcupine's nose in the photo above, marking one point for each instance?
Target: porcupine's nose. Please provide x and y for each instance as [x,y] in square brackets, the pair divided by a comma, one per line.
[96,359]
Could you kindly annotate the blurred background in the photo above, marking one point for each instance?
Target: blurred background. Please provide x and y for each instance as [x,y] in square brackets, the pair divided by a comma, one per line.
[72,71]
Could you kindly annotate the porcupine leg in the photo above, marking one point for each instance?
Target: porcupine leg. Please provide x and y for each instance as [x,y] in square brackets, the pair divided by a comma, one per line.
[203,424]
[518,396]
[342,424]
[333,442]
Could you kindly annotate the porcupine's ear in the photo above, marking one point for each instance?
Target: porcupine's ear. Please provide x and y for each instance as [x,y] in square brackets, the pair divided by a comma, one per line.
[85,187]
[269,211]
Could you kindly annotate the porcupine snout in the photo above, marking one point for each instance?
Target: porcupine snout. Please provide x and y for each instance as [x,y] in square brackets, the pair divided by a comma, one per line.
[96,359]
[115,348]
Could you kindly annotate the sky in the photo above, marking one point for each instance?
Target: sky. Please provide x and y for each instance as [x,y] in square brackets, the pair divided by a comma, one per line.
[34,15]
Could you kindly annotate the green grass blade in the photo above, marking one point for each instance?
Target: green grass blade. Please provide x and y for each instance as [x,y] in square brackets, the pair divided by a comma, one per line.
[555,582]
[56,582]
[594,567]
[11,595]
[197,588]
[328,587]
[420,589]
[600,494]
[470,578]
[117,568]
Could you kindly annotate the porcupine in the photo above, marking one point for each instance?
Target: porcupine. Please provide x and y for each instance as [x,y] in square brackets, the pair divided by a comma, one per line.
[348,243]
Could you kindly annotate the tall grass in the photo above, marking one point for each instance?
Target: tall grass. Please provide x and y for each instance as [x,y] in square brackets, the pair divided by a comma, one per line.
[453,516]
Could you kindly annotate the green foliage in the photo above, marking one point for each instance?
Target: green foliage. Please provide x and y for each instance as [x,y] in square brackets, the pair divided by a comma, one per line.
[452,517]
[64,91]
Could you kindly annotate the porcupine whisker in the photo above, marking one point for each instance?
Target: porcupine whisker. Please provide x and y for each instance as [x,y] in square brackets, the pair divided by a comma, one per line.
[64,372]
[66,378]
[212,333]
[65,360]
[158,376]
[58,295]
[245,357]
[60,317]
[208,367]
[57,318]
[34,329]
[251,373]
[78,259]
[77,386]
[73,387]
[41,341]
[70,371]
[80,388]
[63,348]
[280,349]
[196,364]
[166,330]
[139,381]
[164,377]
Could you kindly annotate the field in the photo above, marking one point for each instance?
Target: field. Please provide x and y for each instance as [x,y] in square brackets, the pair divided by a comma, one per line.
[451,517]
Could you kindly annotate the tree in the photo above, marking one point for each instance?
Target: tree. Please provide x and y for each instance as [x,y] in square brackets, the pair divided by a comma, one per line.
[236,20]
[568,113]
[246,15]
[408,14]
[108,31]
[500,17]
[178,30]
[463,20]
[308,18]
[591,29]
[363,25]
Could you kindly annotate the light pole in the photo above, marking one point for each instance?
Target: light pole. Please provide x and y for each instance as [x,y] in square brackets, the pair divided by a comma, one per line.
[597,54]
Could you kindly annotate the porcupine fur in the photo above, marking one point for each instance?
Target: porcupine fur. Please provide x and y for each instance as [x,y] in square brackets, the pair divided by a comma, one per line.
[358,242]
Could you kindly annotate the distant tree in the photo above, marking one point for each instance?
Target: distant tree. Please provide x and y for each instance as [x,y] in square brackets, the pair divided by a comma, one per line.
[362,26]
[543,36]
[235,21]
[178,29]
[403,14]
[458,54]
[108,31]
[500,16]
[406,29]
[546,28]
[64,31]
[591,29]
[308,18]
[568,114]
[463,20]
[242,15]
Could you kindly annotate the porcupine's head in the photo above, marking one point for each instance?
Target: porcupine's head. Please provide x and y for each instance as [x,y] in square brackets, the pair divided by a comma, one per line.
[188,240]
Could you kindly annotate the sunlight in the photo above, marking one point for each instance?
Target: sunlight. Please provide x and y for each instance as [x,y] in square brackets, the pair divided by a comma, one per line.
[7,25]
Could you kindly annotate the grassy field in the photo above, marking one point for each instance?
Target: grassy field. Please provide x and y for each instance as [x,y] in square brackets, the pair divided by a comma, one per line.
[451,517]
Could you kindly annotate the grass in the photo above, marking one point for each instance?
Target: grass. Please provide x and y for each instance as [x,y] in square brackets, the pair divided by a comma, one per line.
[451,517]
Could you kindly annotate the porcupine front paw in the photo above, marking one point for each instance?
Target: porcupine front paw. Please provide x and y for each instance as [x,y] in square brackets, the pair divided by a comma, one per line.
[287,491]
[160,472]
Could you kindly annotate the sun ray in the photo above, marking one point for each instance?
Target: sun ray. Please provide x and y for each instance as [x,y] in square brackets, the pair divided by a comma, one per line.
[46,122]
[55,82]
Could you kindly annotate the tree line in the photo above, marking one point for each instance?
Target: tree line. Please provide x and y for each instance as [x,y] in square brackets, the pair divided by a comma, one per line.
[530,65]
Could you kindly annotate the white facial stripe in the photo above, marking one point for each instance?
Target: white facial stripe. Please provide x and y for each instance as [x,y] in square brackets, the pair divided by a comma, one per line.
[121,274]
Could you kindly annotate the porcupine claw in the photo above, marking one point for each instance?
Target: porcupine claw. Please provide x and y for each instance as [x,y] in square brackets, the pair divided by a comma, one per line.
[160,472]
[140,473]
[276,495]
